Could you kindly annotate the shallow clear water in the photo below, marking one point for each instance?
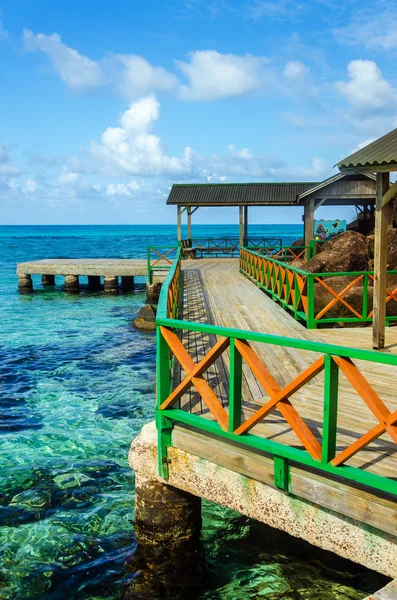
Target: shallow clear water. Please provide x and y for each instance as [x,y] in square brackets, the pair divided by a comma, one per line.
[76,386]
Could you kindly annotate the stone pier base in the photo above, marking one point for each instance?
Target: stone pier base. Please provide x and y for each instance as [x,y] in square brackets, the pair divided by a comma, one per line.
[153,292]
[72,283]
[48,280]
[111,285]
[322,527]
[25,284]
[127,283]
[167,527]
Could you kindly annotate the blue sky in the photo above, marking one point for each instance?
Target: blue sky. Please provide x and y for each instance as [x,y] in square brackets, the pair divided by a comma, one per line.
[103,105]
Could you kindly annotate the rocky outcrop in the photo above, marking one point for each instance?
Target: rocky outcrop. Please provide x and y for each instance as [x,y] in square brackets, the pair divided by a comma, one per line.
[146,318]
[345,252]
[348,252]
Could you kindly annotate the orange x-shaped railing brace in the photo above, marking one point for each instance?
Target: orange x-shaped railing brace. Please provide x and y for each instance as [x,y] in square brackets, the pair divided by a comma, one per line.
[386,418]
[162,256]
[338,297]
[195,375]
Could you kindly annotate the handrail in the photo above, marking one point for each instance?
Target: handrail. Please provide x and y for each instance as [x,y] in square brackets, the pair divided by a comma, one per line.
[323,455]
[164,255]
[299,291]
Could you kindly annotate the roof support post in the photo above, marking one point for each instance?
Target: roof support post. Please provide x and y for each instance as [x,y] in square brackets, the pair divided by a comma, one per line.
[308,219]
[189,223]
[241,220]
[245,235]
[382,225]
[179,222]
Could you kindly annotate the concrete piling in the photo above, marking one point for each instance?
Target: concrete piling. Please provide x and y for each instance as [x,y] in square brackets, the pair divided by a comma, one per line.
[94,282]
[48,280]
[25,284]
[72,283]
[167,527]
[127,283]
[111,285]
[153,291]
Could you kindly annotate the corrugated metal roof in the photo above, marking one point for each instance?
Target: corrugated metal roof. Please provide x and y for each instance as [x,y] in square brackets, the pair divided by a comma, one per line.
[380,152]
[229,194]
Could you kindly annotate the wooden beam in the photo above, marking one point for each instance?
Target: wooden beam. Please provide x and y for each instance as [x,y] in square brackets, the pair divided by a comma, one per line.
[308,218]
[390,194]
[241,220]
[189,223]
[245,235]
[193,210]
[382,221]
[179,223]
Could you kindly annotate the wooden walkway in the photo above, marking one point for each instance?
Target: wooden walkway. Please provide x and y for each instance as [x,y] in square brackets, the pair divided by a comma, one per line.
[215,292]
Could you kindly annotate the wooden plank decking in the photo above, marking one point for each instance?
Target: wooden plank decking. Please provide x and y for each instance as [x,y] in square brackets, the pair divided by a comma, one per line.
[215,292]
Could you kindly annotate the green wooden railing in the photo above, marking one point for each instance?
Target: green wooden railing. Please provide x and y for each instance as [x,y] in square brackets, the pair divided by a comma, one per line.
[312,297]
[321,454]
[230,245]
[159,258]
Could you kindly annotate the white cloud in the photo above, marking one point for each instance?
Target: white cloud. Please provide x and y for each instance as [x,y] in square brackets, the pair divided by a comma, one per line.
[123,189]
[30,186]
[294,69]
[363,144]
[366,91]
[133,149]
[375,30]
[243,153]
[139,77]
[76,70]
[213,75]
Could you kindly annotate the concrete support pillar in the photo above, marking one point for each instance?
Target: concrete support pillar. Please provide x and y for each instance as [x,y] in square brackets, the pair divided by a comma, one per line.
[94,282]
[152,291]
[382,224]
[25,284]
[48,280]
[167,527]
[127,283]
[308,219]
[111,285]
[72,283]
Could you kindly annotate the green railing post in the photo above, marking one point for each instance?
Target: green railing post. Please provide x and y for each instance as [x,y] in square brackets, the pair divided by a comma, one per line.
[281,473]
[312,249]
[149,269]
[365,296]
[235,387]
[311,322]
[330,413]
[163,387]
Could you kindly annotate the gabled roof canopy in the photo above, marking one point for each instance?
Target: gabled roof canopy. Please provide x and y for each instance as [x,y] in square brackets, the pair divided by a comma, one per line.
[236,194]
[336,190]
[379,156]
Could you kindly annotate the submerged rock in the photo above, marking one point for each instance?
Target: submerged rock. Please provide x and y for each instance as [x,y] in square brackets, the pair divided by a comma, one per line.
[146,318]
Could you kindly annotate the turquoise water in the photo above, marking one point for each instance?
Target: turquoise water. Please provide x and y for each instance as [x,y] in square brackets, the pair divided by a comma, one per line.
[76,386]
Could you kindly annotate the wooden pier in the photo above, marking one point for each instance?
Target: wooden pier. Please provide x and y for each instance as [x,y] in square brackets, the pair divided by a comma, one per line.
[108,270]
[296,431]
